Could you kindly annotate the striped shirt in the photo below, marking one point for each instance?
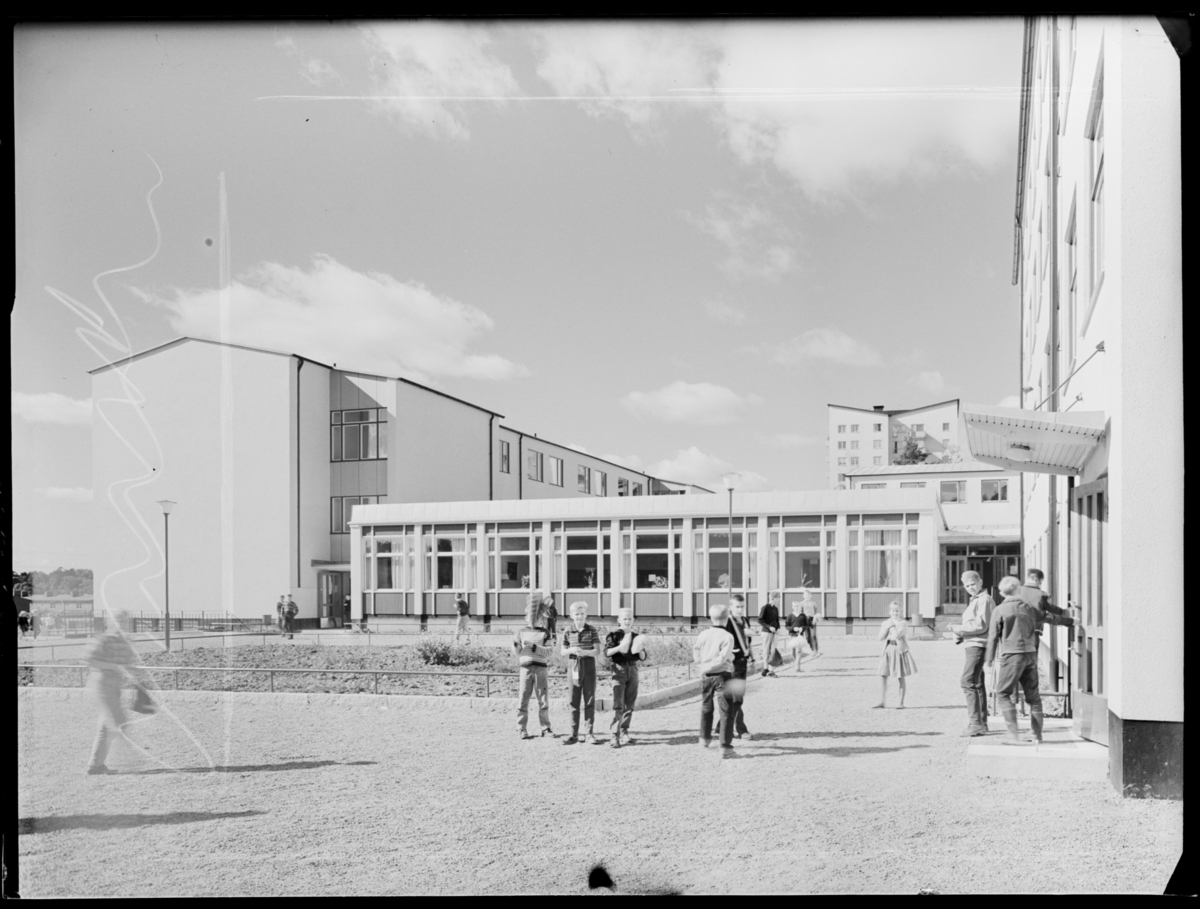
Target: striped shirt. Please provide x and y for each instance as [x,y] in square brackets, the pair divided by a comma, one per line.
[587,638]
[532,646]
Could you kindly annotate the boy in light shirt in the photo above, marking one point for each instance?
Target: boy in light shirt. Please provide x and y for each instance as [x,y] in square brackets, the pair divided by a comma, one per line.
[713,654]
[973,633]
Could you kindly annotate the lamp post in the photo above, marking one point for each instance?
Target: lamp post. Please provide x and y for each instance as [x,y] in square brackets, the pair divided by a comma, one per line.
[166,505]
[731,480]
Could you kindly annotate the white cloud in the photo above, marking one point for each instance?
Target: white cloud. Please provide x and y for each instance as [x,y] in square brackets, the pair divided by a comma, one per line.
[51,407]
[421,67]
[683,402]
[633,462]
[1009,401]
[719,311]
[830,344]
[691,465]
[580,448]
[756,243]
[931,382]
[318,72]
[369,322]
[67,494]
[787,440]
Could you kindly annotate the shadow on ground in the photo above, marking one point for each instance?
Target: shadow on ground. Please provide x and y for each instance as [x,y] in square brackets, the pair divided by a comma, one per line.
[29,825]
[258,768]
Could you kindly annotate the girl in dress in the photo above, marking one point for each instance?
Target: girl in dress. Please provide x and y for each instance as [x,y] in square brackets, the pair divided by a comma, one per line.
[896,660]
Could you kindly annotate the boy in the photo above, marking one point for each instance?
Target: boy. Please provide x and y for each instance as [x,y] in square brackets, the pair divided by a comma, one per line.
[625,648]
[713,653]
[1012,636]
[533,645]
[289,617]
[582,655]
[768,621]
[742,656]
[974,628]
[463,608]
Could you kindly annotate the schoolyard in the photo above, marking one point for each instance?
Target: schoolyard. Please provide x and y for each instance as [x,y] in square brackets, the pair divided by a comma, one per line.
[260,795]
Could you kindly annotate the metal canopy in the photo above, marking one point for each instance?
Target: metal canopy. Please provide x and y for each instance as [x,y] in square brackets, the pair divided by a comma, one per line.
[1033,441]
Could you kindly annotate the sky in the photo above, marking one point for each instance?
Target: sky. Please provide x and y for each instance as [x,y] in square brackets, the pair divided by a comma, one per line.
[666,244]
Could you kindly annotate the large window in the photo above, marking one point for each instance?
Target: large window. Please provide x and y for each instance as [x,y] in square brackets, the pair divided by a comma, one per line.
[800,552]
[358,435]
[713,568]
[514,557]
[504,456]
[582,560]
[535,464]
[637,489]
[953,490]
[450,558]
[340,508]
[883,551]
[556,471]
[601,483]
[652,554]
[389,560]
[994,491]
[584,478]
[622,486]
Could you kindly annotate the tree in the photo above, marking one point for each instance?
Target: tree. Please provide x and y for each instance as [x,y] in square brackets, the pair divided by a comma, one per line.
[912,454]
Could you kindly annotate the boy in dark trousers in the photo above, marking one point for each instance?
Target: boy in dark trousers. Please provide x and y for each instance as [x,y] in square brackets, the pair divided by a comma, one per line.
[742,657]
[582,655]
[625,648]
[1012,636]
[713,653]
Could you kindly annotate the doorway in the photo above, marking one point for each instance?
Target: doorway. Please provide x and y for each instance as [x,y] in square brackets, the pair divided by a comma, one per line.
[334,587]
[1088,533]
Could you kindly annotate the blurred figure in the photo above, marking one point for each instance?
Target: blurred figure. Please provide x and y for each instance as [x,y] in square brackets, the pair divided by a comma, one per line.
[582,656]
[463,608]
[742,657]
[625,648]
[289,618]
[810,610]
[280,607]
[23,622]
[713,654]
[551,614]
[895,661]
[797,626]
[768,621]
[111,658]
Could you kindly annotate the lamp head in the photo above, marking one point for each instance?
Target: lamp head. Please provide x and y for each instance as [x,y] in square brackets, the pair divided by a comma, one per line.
[731,480]
[166,505]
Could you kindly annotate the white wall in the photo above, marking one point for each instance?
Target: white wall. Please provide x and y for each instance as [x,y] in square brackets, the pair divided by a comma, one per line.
[310,536]
[437,449]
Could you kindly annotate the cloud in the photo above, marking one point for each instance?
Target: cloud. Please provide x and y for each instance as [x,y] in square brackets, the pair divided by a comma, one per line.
[51,407]
[633,462]
[720,311]
[757,244]
[422,67]
[369,322]
[700,403]
[66,494]
[1009,401]
[830,344]
[316,71]
[691,465]
[787,440]
[579,448]
[931,382]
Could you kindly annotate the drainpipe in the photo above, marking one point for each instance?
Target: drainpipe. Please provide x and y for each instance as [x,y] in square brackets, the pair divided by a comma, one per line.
[520,465]
[491,454]
[1052,198]
[299,485]
[1018,271]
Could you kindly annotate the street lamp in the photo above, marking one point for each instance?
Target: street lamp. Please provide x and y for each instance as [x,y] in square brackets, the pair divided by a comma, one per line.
[166,505]
[731,481]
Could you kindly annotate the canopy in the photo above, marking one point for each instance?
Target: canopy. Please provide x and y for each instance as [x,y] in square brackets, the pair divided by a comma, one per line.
[1032,440]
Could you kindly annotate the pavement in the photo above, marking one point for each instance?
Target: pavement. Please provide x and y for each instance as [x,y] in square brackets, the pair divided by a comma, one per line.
[260,796]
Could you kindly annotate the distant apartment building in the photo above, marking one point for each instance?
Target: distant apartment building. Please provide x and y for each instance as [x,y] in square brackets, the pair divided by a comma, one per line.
[1099,435]
[874,437]
[267,455]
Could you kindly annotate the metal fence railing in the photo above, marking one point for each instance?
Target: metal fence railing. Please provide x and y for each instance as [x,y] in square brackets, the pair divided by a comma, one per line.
[78,673]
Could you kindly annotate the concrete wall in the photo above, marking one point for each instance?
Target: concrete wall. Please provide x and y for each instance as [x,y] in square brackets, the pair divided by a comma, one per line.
[572,459]
[309,489]
[437,448]
[208,427]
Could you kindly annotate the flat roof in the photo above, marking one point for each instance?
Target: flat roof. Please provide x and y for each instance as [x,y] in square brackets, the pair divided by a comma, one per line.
[815,501]
[918,469]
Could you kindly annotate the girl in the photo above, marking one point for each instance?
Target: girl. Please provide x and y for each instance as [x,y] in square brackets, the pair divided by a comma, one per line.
[797,626]
[810,609]
[895,660]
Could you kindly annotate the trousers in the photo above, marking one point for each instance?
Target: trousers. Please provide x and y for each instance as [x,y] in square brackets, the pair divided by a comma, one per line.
[585,691]
[533,680]
[625,692]
[768,648]
[973,685]
[737,698]
[713,688]
[106,689]
[1019,670]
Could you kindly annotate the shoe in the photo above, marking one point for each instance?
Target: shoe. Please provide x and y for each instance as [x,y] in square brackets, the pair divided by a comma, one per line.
[592,740]
[747,736]
[1032,738]
[705,743]
[615,741]
[549,732]
[727,751]
[629,740]
[99,771]
[526,735]
[570,741]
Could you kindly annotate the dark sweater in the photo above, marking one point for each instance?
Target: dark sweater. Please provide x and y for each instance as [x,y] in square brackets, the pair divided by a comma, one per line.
[1013,629]
[768,619]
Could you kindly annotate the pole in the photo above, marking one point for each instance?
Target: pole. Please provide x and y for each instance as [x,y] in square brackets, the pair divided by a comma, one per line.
[729,539]
[167,574]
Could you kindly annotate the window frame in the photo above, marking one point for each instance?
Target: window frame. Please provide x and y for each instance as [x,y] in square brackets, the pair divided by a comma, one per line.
[535,465]
[339,524]
[583,479]
[1001,491]
[556,471]
[960,492]
[370,434]
[505,456]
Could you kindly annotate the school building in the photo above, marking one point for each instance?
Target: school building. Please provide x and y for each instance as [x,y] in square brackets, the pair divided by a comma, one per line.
[267,454]
[1098,437]
[667,558]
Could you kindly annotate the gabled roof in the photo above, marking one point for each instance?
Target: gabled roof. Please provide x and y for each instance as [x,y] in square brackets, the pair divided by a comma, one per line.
[894,411]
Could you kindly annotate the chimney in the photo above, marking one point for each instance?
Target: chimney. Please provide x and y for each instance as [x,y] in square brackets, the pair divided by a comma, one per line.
[879,407]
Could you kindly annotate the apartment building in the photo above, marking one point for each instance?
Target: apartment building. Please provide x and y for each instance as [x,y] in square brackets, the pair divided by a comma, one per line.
[1099,434]
[267,454]
[874,437]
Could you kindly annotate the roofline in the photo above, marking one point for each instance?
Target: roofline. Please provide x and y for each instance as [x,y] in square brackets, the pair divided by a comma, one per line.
[897,410]
[1022,141]
[873,471]
[433,391]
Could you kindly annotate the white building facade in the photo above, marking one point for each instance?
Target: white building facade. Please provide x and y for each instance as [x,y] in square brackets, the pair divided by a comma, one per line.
[1099,436]
[874,437]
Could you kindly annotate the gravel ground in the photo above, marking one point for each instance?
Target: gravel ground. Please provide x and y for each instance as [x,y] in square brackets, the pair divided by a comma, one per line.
[830,797]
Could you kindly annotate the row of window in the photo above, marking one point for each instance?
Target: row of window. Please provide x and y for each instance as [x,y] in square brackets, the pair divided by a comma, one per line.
[798,557]
[955,491]
[878,427]
[358,435]
[588,480]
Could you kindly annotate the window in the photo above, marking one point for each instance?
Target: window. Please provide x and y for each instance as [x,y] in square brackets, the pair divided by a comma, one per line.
[514,561]
[582,561]
[881,558]
[584,476]
[912,485]
[994,491]
[854,445]
[556,470]
[1095,132]
[389,561]
[879,427]
[841,446]
[854,427]
[953,491]
[918,427]
[798,550]
[534,465]
[877,460]
[895,448]
[1072,285]
[504,450]
[622,486]
[841,462]
[653,558]
[877,443]
[841,427]
[637,489]
[601,483]
[854,462]
[358,435]
[340,508]
[711,556]
[945,427]
[874,486]
[446,564]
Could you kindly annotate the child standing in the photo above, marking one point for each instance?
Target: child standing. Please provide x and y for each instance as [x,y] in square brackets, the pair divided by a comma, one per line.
[895,661]
[533,646]
[713,653]
[582,655]
[625,648]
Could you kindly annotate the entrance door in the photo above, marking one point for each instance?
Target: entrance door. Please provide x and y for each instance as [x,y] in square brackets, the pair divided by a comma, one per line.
[1089,538]
[953,594]
[333,587]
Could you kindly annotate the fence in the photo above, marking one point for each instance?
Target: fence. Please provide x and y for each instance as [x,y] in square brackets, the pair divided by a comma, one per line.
[676,672]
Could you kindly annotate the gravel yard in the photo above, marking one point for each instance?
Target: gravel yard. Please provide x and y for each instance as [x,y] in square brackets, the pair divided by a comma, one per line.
[241,798]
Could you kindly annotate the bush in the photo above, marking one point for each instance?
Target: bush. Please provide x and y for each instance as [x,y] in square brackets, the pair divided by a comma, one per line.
[434,652]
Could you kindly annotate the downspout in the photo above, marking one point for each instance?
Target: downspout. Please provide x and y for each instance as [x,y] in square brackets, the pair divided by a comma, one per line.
[520,465]
[491,452]
[1018,271]
[299,366]
[1052,198]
